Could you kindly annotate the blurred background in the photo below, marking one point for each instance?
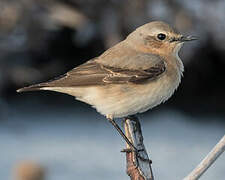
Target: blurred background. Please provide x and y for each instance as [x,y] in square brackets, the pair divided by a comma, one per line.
[41,39]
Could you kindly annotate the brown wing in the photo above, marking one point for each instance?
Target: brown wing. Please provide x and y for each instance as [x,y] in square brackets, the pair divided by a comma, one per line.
[117,75]
[94,73]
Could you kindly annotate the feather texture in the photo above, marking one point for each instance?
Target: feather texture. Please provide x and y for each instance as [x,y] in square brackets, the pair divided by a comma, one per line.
[94,73]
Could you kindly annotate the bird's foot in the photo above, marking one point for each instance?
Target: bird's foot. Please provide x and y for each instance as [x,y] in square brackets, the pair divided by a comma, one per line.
[129,150]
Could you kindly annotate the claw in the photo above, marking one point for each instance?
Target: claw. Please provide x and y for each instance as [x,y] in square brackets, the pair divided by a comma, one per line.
[128,150]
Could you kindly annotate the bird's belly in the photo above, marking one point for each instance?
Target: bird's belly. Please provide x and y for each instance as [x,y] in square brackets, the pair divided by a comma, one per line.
[128,99]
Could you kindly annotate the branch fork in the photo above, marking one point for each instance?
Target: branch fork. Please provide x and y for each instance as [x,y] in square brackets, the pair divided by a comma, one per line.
[138,163]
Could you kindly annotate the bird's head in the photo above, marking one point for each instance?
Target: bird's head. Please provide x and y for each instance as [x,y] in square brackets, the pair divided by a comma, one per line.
[157,37]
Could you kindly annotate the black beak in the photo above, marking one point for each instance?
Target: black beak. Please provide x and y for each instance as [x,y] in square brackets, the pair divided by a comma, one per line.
[187,38]
[184,38]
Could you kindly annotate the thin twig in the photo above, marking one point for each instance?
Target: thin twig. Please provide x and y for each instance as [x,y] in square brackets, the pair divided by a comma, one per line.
[138,163]
[207,161]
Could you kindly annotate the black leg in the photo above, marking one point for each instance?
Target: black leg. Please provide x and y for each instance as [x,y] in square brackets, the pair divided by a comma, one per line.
[122,134]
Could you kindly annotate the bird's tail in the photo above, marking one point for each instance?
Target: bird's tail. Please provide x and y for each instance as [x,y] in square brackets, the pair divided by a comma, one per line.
[36,87]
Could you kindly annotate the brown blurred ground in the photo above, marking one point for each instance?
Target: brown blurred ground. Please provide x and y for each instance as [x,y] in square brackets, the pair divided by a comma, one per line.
[28,170]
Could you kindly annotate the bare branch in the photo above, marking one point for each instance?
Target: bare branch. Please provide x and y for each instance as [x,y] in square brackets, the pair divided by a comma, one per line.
[138,164]
[207,161]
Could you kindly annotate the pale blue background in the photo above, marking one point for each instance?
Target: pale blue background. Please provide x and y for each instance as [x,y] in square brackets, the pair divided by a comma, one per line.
[77,143]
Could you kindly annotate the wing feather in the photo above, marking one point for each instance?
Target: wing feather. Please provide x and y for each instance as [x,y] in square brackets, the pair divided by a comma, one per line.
[94,73]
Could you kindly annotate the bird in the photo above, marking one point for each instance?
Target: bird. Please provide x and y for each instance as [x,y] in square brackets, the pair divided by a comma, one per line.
[133,76]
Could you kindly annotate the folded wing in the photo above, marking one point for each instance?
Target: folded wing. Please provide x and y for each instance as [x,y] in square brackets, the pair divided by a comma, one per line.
[93,73]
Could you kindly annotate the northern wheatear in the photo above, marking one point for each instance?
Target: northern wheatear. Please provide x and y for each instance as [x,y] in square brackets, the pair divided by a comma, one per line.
[133,76]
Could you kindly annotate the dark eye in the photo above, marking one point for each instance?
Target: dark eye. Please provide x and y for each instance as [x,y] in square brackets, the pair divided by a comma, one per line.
[161,36]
